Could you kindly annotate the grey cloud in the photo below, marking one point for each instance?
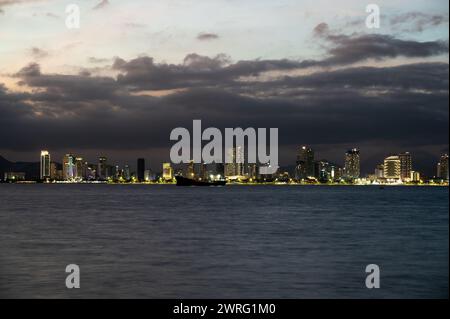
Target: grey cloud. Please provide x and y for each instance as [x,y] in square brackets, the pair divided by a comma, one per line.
[344,50]
[5,3]
[207,36]
[325,108]
[52,15]
[38,53]
[103,4]
[418,21]
[196,70]
[95,60]
[32,69]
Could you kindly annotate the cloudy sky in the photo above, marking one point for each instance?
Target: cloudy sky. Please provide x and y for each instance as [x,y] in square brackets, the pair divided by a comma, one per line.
[137,69]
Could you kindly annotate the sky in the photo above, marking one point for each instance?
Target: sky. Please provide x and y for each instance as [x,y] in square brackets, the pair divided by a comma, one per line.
[135,70]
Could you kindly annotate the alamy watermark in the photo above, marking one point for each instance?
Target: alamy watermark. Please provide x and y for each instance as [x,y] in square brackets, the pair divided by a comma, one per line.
[212,152]
[373,277]
[73,279]
[373,19]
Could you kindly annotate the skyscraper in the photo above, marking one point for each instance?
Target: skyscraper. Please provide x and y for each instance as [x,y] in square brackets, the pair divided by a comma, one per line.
[167,172]
[69,167]
[45,167]
[80,169]
[392,167]
[102,169]
[237,161]
[405,166]
[352,164]
[141,170]
[127,173]
[305,163]
[443,168]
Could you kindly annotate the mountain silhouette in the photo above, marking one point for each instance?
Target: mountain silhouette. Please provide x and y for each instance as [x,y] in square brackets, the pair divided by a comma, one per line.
[30,169]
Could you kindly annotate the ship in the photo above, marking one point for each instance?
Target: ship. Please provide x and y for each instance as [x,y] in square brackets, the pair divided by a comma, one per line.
[183,181]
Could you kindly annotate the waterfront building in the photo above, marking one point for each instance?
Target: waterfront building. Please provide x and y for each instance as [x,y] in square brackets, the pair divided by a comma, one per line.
[14,176]
[167,172]
[80,169]
[379,171]
[305,167]
[69,169]
[126,173]
[45,169]
[141,169]
[405,166]
[392,168]
[415,177]
[149,176]
[352,164]
[102,168]
[235,168]
[443,168]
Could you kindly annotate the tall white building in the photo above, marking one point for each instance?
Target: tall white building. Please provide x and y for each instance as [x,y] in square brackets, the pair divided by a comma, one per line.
[45,165]
[237,162]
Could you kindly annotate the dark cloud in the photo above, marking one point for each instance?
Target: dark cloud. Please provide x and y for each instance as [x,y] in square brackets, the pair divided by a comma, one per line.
[405,106]
[144,73]
[344,50]
[207,36]
[32,69]
[339,105]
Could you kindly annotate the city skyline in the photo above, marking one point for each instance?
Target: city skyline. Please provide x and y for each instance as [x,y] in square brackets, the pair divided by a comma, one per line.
[394,167]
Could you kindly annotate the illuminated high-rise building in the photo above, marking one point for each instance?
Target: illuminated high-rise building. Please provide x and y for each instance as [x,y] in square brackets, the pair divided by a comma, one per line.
[352,164]
[80,169]
[69,169]
[392,168]
[405,166]
[54,171]
[235,167]
[127,173]
[230,167]
[305,164]
[443,168]
[167,172]
[45,167]
[240,161]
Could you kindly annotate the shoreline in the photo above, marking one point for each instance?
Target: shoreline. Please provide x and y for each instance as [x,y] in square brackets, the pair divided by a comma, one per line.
[232,184]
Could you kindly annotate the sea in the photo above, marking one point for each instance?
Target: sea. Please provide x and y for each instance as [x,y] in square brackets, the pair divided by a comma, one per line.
[163,241]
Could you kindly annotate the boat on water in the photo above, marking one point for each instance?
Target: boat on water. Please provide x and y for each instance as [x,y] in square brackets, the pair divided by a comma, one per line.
[183,181]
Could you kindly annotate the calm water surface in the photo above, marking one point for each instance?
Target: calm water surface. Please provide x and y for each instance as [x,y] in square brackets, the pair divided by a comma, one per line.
[232,242]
